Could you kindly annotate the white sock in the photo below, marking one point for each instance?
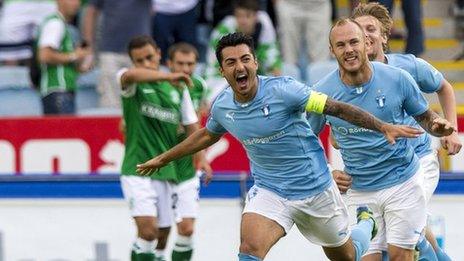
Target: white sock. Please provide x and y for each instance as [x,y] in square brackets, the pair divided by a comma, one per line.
[143,246]
[159,252]
[183,243]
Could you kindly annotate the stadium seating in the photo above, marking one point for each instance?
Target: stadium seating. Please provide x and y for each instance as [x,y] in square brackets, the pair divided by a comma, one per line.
[17,98]
[86,94]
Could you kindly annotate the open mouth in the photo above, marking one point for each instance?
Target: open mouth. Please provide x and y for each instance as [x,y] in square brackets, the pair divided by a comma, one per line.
[242,80]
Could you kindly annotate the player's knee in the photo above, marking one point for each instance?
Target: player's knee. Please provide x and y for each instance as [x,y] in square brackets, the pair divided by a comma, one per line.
[401,255]
[252,248]
[185,230]
[148,233]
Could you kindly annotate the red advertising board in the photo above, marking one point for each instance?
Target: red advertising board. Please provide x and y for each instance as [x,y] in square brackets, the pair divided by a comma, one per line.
[94,145]
[77,145]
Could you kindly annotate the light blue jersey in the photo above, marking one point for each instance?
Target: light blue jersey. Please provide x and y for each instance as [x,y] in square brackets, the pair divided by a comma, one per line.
[429,80]
[285,155]
[369,158]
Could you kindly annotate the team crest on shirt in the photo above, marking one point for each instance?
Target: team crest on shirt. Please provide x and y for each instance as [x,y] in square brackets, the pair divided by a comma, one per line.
[380,101]
[265,110]
[230,116]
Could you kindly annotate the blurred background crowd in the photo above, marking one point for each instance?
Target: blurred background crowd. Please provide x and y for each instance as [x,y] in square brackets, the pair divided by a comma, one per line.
[291,38]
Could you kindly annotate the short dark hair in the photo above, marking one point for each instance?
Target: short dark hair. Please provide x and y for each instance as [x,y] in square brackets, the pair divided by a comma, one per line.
[139,42]
[252,5]
[234,39]
[182,47]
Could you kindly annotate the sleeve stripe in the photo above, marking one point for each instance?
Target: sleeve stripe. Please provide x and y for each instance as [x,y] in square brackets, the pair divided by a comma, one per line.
[316,102]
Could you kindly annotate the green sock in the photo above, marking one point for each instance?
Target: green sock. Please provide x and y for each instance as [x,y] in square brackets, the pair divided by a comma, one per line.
[182,249]
[143,250]
[145,257]
[133,256]
[181,256]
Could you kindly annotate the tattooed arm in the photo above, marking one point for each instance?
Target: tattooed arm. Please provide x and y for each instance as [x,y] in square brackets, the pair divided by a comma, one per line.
[434,124]
[352,114]
[358,116]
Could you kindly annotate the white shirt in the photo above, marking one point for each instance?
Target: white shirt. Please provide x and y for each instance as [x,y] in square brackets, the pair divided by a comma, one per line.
[52,34]
[173,6]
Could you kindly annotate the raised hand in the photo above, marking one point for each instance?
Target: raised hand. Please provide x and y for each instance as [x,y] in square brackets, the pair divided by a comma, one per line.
[442,127]
[452,144]
[147,168]
[203,165]
[392,132]
[177,77]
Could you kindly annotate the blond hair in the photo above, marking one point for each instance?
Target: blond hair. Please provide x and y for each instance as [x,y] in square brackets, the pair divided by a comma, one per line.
[377,11]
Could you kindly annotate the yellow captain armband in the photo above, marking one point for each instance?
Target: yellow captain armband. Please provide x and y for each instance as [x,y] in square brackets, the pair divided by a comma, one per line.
[316,102]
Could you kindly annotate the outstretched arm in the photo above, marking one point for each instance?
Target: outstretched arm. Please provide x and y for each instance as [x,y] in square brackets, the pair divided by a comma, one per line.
[358,116]
[137,75]
[200,139]
[434,124]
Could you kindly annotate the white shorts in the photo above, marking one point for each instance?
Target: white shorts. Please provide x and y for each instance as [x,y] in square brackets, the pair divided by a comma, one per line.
[147,197]
[186,199]
[399,211]
[431,174]
[322,219]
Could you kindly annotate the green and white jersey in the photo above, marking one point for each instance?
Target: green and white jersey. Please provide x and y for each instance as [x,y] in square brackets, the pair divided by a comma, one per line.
[153,113]
[267,51]
[54,33]
[198,91]
[186,168]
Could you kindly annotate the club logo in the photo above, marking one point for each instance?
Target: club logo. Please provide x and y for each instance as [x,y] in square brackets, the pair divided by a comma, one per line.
[265,110]
[380,101]
[230,115]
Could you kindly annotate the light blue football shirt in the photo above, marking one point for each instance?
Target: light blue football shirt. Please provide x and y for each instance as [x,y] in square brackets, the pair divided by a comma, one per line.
[429,80]
[369,158]
[285,155]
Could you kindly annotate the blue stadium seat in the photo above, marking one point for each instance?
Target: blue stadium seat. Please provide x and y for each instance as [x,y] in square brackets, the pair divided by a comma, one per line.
[317,71]
[14,77]
[86,93]
[100,112]
[17,97]
[20,102]
[89,79]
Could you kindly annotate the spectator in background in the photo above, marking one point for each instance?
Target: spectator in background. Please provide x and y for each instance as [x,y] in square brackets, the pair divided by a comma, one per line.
[304,19]
[122,20]
[174,21]
[18,25]
[249,20]
[59,59]
[223,8]
[412,13]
